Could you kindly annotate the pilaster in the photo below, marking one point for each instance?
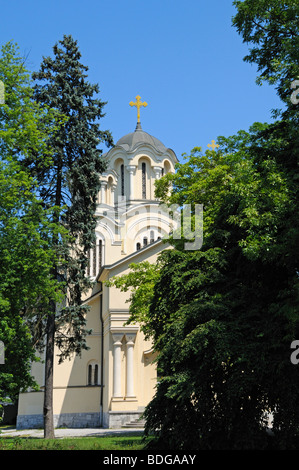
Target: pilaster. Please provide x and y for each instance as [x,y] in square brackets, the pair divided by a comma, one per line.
[132,170]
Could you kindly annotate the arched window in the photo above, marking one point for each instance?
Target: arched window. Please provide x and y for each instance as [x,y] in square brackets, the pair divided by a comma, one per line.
[143,169]
[145,241]
[122,180]
[167,167]
[138,246]
[152,236]
[110,195]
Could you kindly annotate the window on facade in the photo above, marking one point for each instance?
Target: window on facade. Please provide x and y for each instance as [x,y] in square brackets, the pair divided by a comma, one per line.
[93,374]
[138,246]
[96,370]
[166,167]
[122,179]
[89,375]
[152,236]
[145,241]
[95,260]
[100,248]
[143,168]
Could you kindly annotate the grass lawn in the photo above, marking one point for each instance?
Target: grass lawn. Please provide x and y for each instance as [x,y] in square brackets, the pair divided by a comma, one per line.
[124,442]
[127,441]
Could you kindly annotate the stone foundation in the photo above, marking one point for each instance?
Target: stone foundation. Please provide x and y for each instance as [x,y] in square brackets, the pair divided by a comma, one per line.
[111,419]
[67,420]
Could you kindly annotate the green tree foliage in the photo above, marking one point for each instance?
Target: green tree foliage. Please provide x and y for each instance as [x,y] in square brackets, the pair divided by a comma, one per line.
[25,125]
[223,318]
[230,310]
[271,28]
[25,282]
[26,230]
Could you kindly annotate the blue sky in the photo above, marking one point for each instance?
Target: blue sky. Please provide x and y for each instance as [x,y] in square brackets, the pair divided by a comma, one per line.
[182,57]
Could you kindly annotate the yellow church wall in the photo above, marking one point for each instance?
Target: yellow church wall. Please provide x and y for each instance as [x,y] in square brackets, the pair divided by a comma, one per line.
[71,393]
[37,370]
[117,299]
[93,316]
[31,403]
[145,370]
[115,314]
[112,250]
[76,400]
[74,371]
[147,379]
[65,400]
[107,368]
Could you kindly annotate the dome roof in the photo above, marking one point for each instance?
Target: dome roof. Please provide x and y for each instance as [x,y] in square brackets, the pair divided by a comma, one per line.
[130,141]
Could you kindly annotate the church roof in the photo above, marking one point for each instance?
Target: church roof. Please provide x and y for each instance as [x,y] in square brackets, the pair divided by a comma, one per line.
[130,141]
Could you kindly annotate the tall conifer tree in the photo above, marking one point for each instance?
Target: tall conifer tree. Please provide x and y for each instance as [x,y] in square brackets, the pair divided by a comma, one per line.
[26,228]
[71,184]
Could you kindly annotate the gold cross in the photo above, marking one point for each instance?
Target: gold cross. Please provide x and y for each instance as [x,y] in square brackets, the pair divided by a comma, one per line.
[138,105]
[213,145]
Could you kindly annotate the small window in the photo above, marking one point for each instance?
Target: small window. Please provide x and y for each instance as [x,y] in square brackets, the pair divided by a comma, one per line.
[100,254]
[152,236]
[138,246]
[96,370]
[95,259]
[93,374]
[143,166]
[89,374]
[145,241]
[122,176]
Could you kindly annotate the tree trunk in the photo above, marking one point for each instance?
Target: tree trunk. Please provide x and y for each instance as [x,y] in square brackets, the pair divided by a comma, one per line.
[49,366]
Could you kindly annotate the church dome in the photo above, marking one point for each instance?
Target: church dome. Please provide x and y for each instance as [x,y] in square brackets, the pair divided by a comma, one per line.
[132,140]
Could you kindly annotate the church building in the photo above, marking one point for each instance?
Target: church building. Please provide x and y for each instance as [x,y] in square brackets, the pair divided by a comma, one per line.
[110,384]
